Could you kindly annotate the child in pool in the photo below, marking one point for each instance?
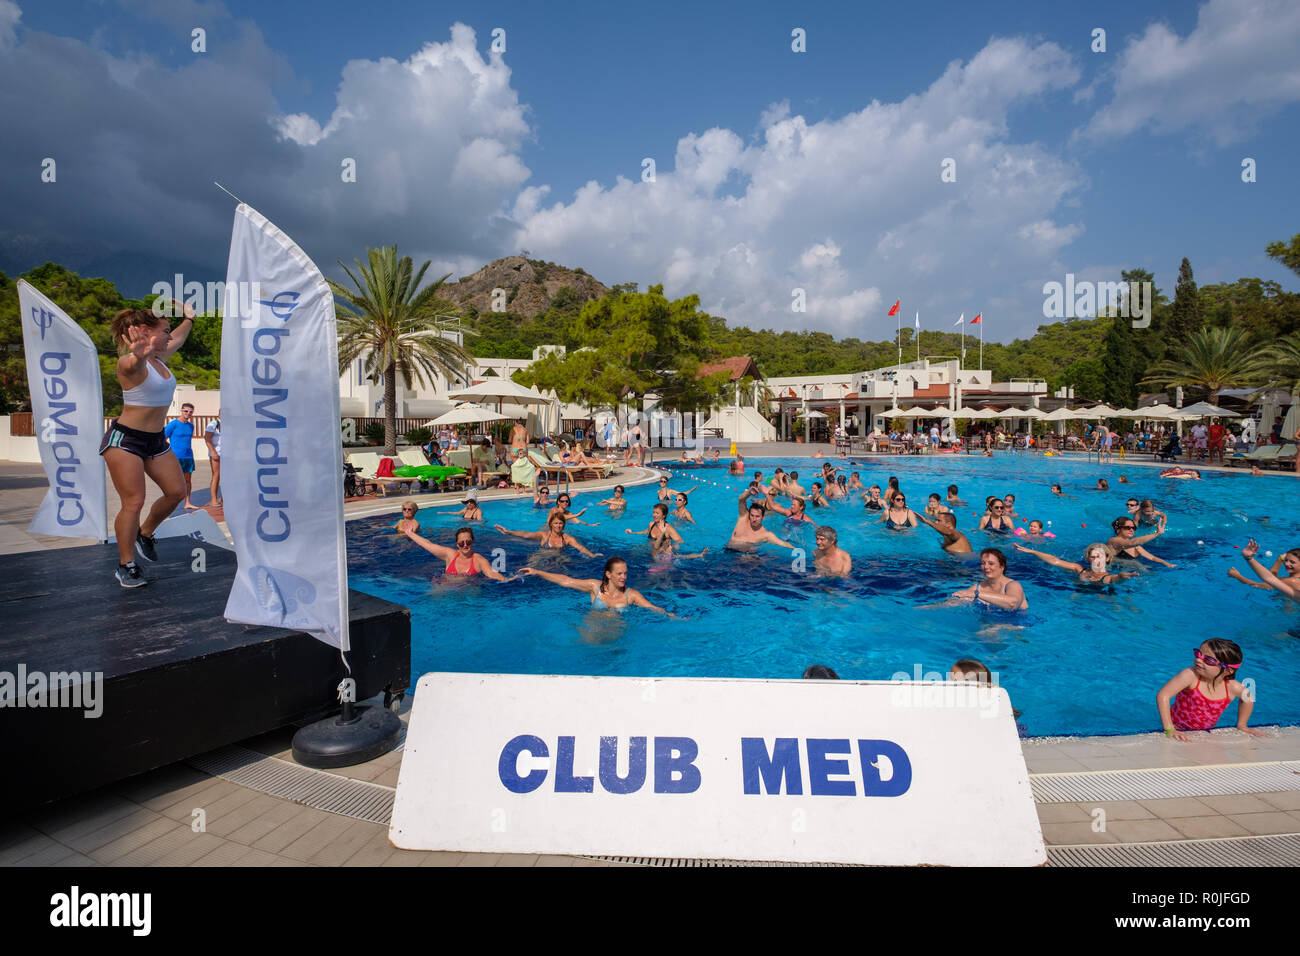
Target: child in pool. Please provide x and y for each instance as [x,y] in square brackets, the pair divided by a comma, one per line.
[1184,705]
[1035,531]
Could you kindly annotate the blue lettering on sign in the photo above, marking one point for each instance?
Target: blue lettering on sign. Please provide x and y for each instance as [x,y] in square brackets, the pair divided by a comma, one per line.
[764,773]
[636,760]
[565,781]
[783,765]
[43,318]
[675,756]
[272,523]
[54,365]
[508,765]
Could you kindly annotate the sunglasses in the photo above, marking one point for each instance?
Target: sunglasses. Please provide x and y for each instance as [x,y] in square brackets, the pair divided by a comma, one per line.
[408,511]
[1211,661]
[1128,527]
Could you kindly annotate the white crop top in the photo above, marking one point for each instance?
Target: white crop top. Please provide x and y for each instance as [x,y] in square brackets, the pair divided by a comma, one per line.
[154,392]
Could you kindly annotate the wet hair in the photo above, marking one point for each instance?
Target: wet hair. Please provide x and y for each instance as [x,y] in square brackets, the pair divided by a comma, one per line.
[609,566]
[659,505]
[893,482]
[952,489]
[946,516]
[779,472]
[820,672]
[1225,652]
[465,530]
[1035,522]
[1056,487]
[855,474]
[988,502]
[682,495]
[556,513]
[1115,525]
[1002,558]
[1103,484]
[758,506]
[934,497]
[758,476]
[619,488]
[130,318]
[1005,497]
[1146,503]
[982,674]
[794,476]
[829,533]
[817,484]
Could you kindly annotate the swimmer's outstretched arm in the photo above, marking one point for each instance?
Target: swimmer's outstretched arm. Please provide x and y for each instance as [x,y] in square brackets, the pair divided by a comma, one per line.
[646,531]
[635,597]
[1052,559]
[1143,552]
[1146,538]
[563,580]
[484,567]
[1272,580]
[771,538]
[440,550]
[573,542]
[533,535]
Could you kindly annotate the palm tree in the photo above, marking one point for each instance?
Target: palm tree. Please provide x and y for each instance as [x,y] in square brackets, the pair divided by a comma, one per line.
[1283,358]
[396,328]
[1212,359]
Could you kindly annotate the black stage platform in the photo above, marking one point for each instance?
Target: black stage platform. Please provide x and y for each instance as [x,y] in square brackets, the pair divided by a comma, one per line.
[178,679]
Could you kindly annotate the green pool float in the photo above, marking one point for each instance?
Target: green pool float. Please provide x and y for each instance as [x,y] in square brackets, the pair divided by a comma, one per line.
[428,472]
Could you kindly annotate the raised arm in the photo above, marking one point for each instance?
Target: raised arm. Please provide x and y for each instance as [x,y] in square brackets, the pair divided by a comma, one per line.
[1146,538]
[439,550]
[1272,580]
[180,333]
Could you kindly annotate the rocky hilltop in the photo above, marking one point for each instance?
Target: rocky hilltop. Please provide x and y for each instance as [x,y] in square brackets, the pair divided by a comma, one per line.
[530,285]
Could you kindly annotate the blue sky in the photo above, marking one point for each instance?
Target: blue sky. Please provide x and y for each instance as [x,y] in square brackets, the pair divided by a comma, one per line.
[775,170]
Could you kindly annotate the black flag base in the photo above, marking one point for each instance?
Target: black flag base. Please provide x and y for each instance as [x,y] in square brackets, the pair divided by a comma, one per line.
[358,734]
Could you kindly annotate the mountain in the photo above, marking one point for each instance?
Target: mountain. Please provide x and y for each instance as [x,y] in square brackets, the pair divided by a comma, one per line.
[530,286]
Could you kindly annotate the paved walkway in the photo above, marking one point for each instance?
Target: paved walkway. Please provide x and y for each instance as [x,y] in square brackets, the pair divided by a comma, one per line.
[1227,792]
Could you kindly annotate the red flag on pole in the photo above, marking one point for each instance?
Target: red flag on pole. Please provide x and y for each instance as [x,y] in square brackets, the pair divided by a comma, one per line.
[894,310]
[976,320]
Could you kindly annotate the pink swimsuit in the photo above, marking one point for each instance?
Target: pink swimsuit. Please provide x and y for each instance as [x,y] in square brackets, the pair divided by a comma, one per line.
[1192,710]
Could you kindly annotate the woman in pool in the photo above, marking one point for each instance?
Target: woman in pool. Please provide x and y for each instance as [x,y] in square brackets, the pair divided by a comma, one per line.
[611,591]
[1184,705]
[666,493]
[872,499]
[898,516]
[408,519]
[818,499]
[681,512]
[563,502]
[1289,561]
[541,492]
[996,589]
[1290,586]
[553,537]
[1125,545]
[1097,557]
[664,539]
[134,447]
[461,560]
[934,507]
[616,503]
[468,511]
[995,520]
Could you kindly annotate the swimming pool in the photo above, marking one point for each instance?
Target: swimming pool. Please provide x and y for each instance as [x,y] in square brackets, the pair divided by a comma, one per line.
[1079,661]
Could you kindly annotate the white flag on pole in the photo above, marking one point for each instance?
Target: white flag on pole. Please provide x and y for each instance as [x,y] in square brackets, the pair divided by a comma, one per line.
[961,320]
[918,321]
[67,416]
[282,461]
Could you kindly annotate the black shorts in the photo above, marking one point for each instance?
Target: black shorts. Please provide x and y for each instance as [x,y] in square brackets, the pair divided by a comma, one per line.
[141,444]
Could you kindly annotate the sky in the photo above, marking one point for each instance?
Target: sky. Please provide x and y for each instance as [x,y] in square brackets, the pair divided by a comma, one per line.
[774,169]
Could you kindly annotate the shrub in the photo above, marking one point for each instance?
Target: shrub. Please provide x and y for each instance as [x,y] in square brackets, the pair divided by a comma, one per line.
[418,436]
[374,433]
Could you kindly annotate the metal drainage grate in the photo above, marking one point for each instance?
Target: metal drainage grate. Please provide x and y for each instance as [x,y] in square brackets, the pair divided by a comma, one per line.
[668,861]
[1157,784]
[1281,850]
[288,781]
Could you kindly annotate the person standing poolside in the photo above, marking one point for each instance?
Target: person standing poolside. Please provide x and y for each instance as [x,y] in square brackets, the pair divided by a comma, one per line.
[1125,544]
[610,592]
[749,530]
[180,434]
[518,440]
[461,560]
[212,438]
[554,537]
[829,557]
[134,447]
[1182,704]
[996,589]
[1216,436]
[1096,571]
[954,542]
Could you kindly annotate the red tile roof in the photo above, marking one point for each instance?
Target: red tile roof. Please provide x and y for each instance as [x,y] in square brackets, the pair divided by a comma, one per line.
[739,366]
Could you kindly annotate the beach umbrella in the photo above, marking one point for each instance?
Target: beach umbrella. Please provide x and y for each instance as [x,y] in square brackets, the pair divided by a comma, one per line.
[1161,411]
[1061,415]
[1204,409]
[915,412]
[500,390]
[466,414]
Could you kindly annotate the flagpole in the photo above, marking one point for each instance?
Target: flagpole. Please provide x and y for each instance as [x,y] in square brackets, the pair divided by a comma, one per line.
[918,338]
[900,339]
[981,344]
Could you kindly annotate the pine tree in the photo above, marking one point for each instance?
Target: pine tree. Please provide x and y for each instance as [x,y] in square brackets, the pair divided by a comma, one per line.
[1185,315]
[1120,365]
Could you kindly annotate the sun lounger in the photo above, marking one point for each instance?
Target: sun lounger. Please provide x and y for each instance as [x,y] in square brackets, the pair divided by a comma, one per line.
[367,464]
[1261,456]
[1284,460]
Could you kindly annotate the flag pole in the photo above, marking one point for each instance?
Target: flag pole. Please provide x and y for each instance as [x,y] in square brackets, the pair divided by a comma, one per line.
[918,338]
[900,339]
[981,344]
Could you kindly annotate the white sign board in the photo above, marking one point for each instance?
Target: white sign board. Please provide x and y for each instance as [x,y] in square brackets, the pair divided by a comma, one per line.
[891,773]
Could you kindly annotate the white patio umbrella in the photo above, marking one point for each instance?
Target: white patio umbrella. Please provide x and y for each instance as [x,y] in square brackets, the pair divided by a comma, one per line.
[466,414]
[811,414]
[500,390]
[1203,409]
[915,412]
[1161,411]
[1061,415]
[983,413]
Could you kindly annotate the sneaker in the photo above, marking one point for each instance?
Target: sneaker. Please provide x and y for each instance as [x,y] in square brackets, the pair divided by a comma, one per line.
[129,576]
[144,547]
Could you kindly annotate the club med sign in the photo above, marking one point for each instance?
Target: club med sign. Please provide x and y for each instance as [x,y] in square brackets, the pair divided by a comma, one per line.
[798,771]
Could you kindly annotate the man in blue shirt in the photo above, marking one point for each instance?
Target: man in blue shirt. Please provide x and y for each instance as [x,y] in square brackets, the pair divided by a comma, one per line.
[180,433]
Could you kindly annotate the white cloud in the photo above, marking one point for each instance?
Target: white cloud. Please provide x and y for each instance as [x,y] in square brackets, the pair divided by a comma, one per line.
[9,17]
[1238,65]
[870,179]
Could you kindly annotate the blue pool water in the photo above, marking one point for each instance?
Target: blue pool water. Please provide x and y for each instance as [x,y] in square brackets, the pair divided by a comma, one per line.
[1081,661]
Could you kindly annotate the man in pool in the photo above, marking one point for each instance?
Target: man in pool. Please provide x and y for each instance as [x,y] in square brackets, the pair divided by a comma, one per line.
[829,558]
[793,488]
[749,531]
[954,500]
[954,542]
